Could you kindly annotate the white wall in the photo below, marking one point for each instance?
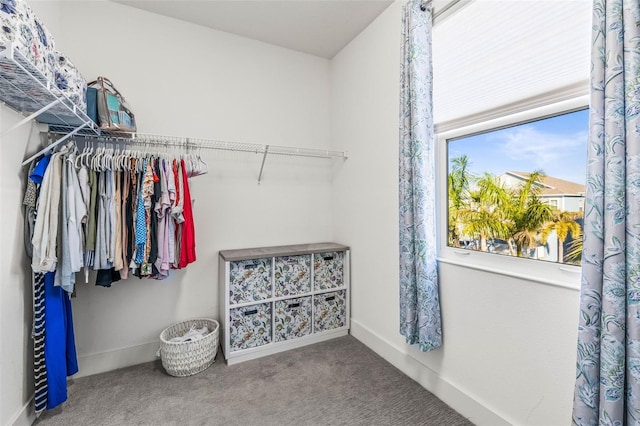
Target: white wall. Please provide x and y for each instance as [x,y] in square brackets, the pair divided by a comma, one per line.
[509,344]
[182,80]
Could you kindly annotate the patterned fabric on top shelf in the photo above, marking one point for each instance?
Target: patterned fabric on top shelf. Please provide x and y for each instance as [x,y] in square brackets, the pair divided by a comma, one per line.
[292,318]
[250,280]
[250,326]
[330,311]
[20,26]
[292,275]
[328,269]
[35,51]
[70,82]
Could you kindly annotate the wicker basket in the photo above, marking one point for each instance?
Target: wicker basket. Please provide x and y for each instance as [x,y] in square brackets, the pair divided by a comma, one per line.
[182,359]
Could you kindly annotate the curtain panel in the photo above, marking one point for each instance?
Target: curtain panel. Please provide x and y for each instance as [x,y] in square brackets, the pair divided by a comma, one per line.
[607,390]
[420,320]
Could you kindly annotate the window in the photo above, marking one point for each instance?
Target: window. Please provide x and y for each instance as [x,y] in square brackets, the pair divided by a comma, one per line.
[515,191]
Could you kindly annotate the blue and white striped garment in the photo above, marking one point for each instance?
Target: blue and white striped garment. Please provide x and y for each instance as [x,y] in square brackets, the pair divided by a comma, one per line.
[39,366]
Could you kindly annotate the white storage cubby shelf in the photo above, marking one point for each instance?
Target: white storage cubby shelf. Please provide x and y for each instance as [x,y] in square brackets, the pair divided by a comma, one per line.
[277,298]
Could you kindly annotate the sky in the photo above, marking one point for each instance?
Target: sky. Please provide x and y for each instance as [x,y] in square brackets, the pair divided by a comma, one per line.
[556,145]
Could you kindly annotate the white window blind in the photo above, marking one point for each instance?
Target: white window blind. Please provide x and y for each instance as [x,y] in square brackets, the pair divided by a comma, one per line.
[492,54]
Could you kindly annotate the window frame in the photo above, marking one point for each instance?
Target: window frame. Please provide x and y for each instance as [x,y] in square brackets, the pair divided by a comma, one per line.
[543,272]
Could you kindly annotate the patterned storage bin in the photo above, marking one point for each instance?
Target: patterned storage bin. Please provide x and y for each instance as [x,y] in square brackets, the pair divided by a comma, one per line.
[250,326]
[70,82]
[328,270]
[250,280]
[329,310]
[292,318]
[20,26]
[292,275]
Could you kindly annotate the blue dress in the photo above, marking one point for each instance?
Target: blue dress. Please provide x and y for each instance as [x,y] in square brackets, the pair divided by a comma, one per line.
[59,347]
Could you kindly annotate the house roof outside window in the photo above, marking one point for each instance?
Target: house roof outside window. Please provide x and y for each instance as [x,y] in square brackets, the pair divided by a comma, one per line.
[551,186]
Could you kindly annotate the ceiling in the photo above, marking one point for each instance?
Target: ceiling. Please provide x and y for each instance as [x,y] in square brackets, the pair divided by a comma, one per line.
[318,27]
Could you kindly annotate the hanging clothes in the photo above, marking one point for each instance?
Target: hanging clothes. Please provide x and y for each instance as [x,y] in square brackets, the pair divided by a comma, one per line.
[118,263]
[71,237]
[111,211]
[188,237]
[38,336]
[45,231]
[91,228]
[177,211]
[125,225]
[76,215]
[59,341]
[100,260]
[171,232]
[36,174]
[163,212]
[153,225]
[144,202]
[104,211]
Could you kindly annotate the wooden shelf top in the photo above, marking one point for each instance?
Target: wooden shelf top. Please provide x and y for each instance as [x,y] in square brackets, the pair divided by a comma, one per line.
[291,250]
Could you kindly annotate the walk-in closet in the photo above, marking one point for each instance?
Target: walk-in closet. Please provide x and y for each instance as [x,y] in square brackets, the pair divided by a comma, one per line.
[261,195]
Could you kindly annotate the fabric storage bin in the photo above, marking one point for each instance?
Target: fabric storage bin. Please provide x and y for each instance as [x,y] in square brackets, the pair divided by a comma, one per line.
[292,318]
[329,311]
[70,82]
[249,326]
[292,275]
[26,32]
[249,280]
[186,358]
[328,270]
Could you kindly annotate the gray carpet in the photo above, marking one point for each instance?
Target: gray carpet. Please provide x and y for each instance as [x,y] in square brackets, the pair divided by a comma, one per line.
[337,382]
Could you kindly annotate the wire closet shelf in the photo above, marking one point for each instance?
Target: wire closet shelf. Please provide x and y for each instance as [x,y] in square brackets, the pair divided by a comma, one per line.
[26,89]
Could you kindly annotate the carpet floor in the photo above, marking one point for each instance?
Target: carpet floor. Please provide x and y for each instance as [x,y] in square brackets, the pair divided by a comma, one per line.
[337,382]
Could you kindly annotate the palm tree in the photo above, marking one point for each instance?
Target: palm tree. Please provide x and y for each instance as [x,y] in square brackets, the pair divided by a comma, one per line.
[484,217]
[574,254]
[458,180]
[564,223]
[527,213]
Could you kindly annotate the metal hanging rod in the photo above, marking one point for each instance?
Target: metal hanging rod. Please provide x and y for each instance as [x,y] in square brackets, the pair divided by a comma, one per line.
[195,143]
[147,141]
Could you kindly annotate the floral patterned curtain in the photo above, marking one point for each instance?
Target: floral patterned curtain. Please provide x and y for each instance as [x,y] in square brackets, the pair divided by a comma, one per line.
[420,320]
[607,390]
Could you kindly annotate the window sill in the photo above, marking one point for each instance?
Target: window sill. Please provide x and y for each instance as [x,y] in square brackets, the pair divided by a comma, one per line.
[528,277]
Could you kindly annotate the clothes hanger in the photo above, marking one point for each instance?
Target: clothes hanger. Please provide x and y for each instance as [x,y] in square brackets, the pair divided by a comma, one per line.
[89,148]
[116,160]
[123,159]
[96,159]
[78,161]
[203,168]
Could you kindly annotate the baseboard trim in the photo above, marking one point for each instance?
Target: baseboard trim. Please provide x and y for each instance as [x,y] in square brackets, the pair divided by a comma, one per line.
[119,358]
[457,399]
[95,364]
[274,348]
[26,416]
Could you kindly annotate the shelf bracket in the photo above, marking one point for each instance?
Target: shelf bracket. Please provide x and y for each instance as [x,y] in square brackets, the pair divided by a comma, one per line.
[56,143]
[264,157]
[34,115]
